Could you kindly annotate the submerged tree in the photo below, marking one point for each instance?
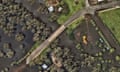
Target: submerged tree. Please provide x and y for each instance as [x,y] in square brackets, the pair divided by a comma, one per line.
[19,36]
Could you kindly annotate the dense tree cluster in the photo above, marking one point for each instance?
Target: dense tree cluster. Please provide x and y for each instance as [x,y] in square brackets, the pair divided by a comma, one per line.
[98,62]
[59,59]
[19,36]
[7,51]
[17,22]
[16,19]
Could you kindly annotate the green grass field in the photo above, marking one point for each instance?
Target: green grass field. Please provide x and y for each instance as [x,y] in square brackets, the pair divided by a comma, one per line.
[71,28]
[112,20]
[73,9]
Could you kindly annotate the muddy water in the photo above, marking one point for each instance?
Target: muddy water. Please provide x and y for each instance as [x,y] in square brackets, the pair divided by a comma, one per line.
[64,39]
[41,16]
[19,68]
[19,53]
[44,18]
[92,36]
[23,67]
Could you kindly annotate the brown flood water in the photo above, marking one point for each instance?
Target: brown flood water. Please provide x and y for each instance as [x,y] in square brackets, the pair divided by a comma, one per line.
[19,68]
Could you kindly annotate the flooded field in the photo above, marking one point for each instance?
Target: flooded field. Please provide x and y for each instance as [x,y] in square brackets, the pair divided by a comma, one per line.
[24,32]
[23,23]
[19,31]
[90,41]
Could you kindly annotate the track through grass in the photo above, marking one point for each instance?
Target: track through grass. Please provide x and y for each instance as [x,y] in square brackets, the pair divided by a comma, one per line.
[112,20]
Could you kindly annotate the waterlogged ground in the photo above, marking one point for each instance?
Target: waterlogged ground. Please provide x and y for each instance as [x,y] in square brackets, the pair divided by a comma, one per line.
[21,26]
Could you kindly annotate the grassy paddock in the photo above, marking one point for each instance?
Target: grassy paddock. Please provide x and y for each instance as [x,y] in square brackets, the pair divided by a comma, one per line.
[71,28]
[73,9]
[112,20]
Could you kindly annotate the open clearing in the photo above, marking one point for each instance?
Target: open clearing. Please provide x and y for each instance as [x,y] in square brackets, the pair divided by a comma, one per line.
[112,20]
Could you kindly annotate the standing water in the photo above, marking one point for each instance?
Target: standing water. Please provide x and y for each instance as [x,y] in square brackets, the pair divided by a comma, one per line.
[19,68]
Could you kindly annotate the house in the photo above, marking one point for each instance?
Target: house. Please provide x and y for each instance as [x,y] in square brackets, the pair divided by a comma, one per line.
[51,9]
[52,2]
[95,2]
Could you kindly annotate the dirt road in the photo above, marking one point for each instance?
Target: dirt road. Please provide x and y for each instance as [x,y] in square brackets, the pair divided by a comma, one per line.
[80,13]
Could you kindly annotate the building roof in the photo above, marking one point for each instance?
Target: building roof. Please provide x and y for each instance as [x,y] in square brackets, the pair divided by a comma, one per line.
[52,2]
[51,9]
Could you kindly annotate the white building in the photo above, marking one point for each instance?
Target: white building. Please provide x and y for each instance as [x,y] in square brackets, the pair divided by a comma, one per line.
[44,66]
[100,0]
[51,9]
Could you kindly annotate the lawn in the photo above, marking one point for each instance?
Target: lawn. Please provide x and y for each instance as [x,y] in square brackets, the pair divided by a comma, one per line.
[71,28]
[73,9]
[112,20]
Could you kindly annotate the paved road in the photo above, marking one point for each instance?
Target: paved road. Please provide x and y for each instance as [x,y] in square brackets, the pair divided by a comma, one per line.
[90,10]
